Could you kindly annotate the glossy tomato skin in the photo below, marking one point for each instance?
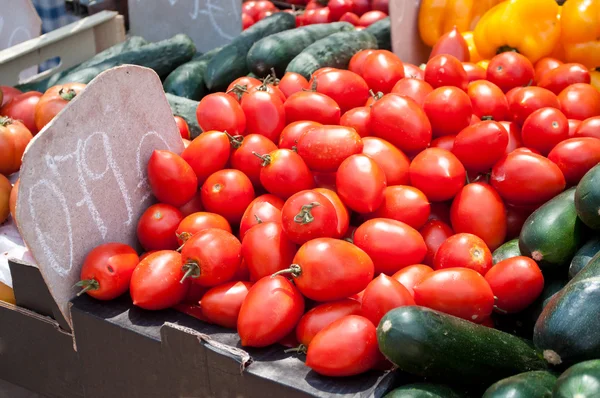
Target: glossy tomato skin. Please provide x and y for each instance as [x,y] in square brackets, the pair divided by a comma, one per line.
[514,136]
[238,88]
[516,283]
[271,310]
[413,88]
[370,17]
[214,256]
[267,249]
[324,148]
[474,72]
[54,100]
[354,335]
[406,204]
[155,282]
[14,138]
[193,206]
[413,71]
[308,215]
[221,112]
[437,173]
[545,128]
[293,131]
[382,70]
[481,145]
[461,292]
[509,70]
[350,17]
[308,105]
[22,108]
[402,122]
[171,178]
[580,101]
[479,210]
[221,304]
[446,70]
[412,275]
[515,219]
[359,119]
[325,180]
[358,60]
[342,212]
[449,110]
[544,66]
[207,154]
[383,294]
[284,173]
[451,43]
[391,244]
[589,128]
[264,208]
[184,129]
[348,89]
[8,93]
[445,142]
[320,15]
[488,100]
[573,126]
[107,270]
[247,21]
[197,222]
[523,178]
[322,316]
[360,183]
[527,100]
[227,192]
[292,83]
[392,161]
[575,157]
[556,80]
[156,227]
[244,160]
[464,250]
[434,233]
[264,114]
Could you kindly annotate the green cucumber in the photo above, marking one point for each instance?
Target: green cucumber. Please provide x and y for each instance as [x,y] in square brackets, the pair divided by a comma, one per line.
[186,108]
[508,250]
[163,56]
[334,51]
[567,329]
[587,198]
[382,30]
[584,256]
[276,51]
[579,381]
[429,343]
[552,234]
[423,390]
[536,384]
[230,62]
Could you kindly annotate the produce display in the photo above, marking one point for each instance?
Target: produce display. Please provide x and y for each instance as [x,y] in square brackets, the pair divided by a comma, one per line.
[441,220]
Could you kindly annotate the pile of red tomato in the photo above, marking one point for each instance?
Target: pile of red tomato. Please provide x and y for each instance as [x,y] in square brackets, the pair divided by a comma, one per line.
[308,209]
[360,13]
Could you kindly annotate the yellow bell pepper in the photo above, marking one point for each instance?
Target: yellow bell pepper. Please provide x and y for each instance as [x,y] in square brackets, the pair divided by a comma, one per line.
[437,17]
[468,36]
[595,75]
[484,63]
[530,27]
[580,32]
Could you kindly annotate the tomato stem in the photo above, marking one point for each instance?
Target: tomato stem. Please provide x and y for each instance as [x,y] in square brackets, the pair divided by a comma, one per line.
[301,349]
[506,49]
[235,140]
[258,220]
[376,97]
[294,269]
[239,90]
[191,269]
[87,285]
[67,95]
[266,159]
[487,117]
[5,121]
[305,216]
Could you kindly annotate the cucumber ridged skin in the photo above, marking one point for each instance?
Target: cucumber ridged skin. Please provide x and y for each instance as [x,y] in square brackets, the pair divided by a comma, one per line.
[587,198]
[187,80]
[509,249]
[382,30]
[536,384]
[584,255]
[423,390]
[230,62]
[432,344]
[278,50]
[186,108]
[579,381]
[567,328]
[333,51]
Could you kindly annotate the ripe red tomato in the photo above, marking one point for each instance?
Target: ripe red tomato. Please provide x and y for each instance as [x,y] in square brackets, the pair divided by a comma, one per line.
[227,192]
[54,100]
[488,100]
[292,83]
[451,43]
[515,218]
[514,136]
[208,153]
[437,173]
[392,161]
[271,310]
[509,70]
[106,271]
[22,108]
[293,131]
[382,295]
[244,160]
[516,283]
[241,86]
[221,305]
[359,119]
[325,180]
[14,138]
[527,100]
[337,8]
[391,244]
[575,157]
[211,257]
[358,60]
[413,88]
[434,233]
[247,21]
[183,127]
[479,210]
[405,204]
[461,292]
[354,331]
[556,80]
[271,89]
[324,148]
[197,222]
[264,114]
[449,110]
[589,128]
[267,249]
[284,173]
[445,142]
[370,17]
[573,126]
[254,8]
[545,128]
[360,183]
[194,294]
[523,178]
[544,66]
[474,71]
[464,250]
[446,70]
[411,276]
[156,227]
[193,206]
[414,72]
[361,6]
[402,122]
[322,316]
[8,93]
[309,105]
[348,89]
[440,211]
[481,145]
[264,208]
[308,215]
[580,101]
[382,70]
[381,5]
[350,17]
[221,112]
[156,283]
[342,212]
[171,178]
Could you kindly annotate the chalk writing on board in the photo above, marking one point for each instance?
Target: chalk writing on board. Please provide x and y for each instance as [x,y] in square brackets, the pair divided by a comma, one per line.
[19,35]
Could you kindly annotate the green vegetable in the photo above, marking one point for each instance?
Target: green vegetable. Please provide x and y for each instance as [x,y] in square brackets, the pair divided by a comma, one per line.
[508,250]
[423,390]
[587,198]
[579,381]
[382,30]
[186,108]
[584,256]
[536,384]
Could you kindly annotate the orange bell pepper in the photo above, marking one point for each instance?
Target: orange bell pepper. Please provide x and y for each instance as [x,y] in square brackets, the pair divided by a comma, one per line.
[595,75]
[484,63]
[468,36]
[580,32]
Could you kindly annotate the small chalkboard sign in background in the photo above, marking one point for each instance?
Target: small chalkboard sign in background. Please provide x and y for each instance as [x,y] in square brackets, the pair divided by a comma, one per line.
[210,23]
[83,179]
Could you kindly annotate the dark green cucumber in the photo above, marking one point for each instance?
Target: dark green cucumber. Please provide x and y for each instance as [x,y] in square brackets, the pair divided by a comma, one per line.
[163,56]
[230,62]
[579,381]
[584,256]
[187,80]
[186,108]
[429,343]
[278,50]
[423,390]
[334,51]
[382,30]
[587,198]
[536,384]
[508,250]
[567,329]
[553,233]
